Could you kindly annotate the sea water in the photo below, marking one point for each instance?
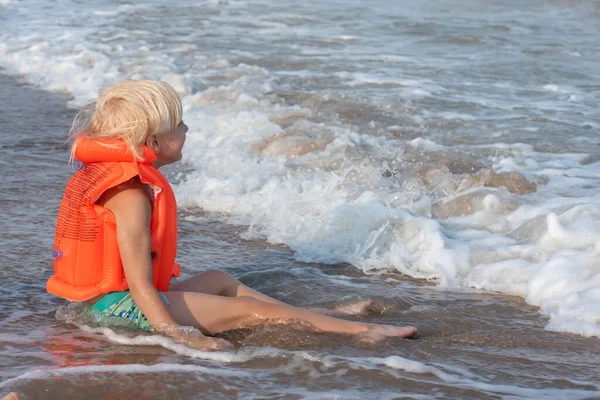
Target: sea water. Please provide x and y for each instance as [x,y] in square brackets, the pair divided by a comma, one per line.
[451,142]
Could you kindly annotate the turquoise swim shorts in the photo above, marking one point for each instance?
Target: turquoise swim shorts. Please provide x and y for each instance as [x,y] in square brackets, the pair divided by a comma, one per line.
[119,309]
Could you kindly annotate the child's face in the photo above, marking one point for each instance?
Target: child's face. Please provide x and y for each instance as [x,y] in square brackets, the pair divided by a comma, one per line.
[168,145]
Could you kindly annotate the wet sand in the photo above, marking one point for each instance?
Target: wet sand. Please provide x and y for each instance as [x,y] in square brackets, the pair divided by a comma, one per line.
[471,344]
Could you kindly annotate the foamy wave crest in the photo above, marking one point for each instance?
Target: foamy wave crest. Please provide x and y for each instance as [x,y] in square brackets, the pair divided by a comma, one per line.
[78,69]
[334,195]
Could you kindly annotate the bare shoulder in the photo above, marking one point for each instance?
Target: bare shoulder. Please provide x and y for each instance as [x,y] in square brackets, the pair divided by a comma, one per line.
[130,197]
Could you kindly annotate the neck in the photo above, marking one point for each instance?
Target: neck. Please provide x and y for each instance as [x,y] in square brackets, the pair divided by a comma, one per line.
[157,164]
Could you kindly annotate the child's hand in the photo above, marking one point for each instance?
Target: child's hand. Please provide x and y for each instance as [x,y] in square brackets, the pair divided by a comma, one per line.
[200,342]
[192,337]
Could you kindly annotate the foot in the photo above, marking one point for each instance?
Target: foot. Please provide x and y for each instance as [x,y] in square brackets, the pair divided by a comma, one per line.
[376,333]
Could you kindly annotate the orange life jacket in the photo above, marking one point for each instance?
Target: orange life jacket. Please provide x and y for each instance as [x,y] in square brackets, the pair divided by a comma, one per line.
[86,254]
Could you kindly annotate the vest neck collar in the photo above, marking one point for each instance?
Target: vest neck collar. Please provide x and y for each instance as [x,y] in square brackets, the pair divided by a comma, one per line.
[109,150]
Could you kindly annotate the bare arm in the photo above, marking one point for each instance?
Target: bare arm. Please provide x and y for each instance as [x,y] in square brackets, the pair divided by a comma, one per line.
[131,207]
[130,204]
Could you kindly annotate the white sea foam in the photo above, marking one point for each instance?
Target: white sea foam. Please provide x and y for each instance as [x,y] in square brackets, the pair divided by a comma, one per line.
[325,219]
[124,369]
[415,367]
[559,88]
[316,366]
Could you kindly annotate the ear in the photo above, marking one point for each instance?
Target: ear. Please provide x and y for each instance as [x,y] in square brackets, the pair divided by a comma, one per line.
[152,142]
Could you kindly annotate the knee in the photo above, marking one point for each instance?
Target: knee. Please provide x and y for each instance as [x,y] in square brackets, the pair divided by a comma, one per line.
[225,284]
[215,274]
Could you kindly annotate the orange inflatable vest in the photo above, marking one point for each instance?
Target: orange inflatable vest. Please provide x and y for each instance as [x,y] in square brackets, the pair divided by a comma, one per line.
[86,255]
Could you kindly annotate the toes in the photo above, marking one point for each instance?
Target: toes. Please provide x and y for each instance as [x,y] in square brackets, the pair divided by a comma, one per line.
[411,332]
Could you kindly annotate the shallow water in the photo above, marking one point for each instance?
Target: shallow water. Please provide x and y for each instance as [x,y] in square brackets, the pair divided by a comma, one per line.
[471,344]
[423,156]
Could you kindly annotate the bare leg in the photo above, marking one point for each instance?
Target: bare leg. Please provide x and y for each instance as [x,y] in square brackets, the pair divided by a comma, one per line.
[220,283]
[213,314]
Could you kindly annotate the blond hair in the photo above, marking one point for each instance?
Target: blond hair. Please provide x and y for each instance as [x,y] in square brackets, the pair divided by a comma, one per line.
[131,111]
